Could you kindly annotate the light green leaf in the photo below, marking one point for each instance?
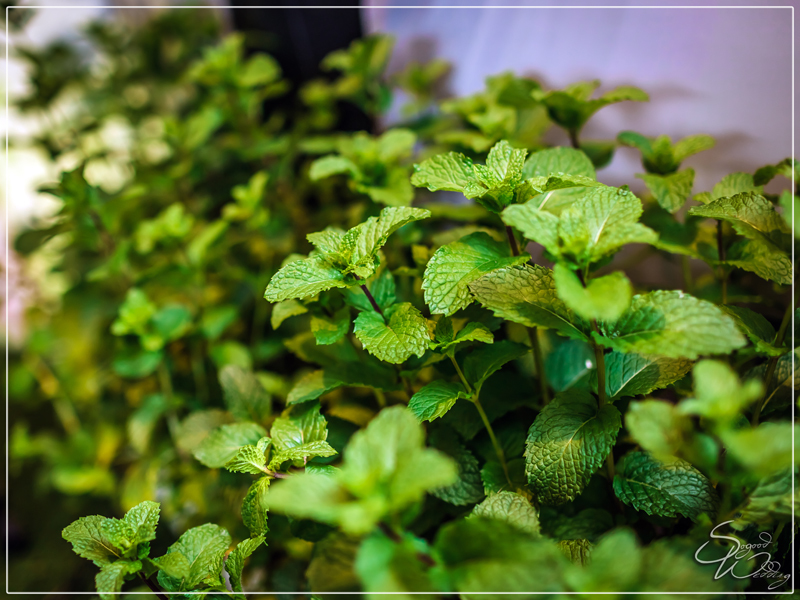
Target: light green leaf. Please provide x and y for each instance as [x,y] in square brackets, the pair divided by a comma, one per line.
[567,443]
[174,565]
[672,324]
[452,172]
[254,508]
[298,434]
[316,383]
[204,547]
[657,427]
[487,558]
[733,184]
[403,332]
[605,298]
[244,395]
[718,393]
[88,540]
[763,450]
[512,508]
[329,330]
[111,577]
[224,442]
[670,191]
[392,567]
[142,520]
[600,223]
[526,295]
[435,399]
[483,362]
[248,459]
[235,561]
[770,501]
[634,375]
[558,160]
[332,165]
[454,266]
[303,278]
[691,145]
[665,488]
[285,309]
[535,224]
[472,332]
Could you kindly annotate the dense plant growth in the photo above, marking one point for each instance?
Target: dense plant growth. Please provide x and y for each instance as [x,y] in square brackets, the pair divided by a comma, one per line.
[415,404]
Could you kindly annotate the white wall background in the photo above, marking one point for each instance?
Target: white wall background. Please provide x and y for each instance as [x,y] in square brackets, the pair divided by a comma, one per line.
[722,71]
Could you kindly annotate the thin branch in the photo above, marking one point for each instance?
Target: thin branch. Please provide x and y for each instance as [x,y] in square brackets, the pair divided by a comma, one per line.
[512,240]
[372,300]
[153,587]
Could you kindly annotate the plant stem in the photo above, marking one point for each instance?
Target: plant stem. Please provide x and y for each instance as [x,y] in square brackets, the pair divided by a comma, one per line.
[464,381]
[601,368]
[498,449]
[372,300]
[512,241]
[533,336]
[773,363]
[723,271]
[153,587]
[573,139]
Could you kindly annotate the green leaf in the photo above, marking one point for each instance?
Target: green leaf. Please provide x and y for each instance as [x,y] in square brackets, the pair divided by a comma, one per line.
[761,258]
[468,489]
[483,362]
[512,508]
[435,399]
[452,172]
[446,341]
[329,330]
[672,324]
[535,224]
[403,332]
[386,566]
[572,107]
[204,548]
[665,488]
[248,459]
[577,551]
[691,145]
[567,443]
[733,184]
[298,434]
[235,561]
[385,469]
[634,375]
[244,395]
[224,442]
[316,383]
[454,266]
[600,223]
[526,295]
[770,501]
[558,160]
[657,427]
[491,558]
[111,577]
[285,309]
[303,278]
[670,191]
[763,450]
[89,542]
[760,331]
[590,524]
[718,393]
[569,364]
[332,165]
[605,298]
[254,508]
[142,520]
[752,216]
[174,565]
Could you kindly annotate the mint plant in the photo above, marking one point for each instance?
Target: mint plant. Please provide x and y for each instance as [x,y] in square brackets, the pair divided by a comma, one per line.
[268,332]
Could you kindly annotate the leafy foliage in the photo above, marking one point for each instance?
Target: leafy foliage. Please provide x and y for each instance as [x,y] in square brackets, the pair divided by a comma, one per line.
[415,405]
